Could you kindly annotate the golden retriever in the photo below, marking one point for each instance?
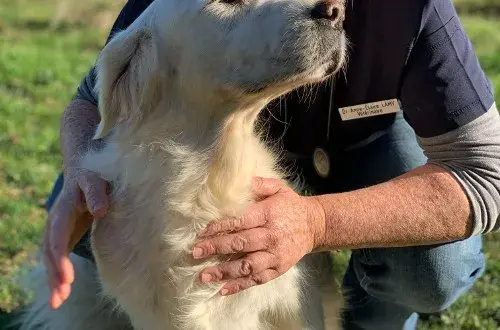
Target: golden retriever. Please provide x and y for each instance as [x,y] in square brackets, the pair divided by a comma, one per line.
[180,91]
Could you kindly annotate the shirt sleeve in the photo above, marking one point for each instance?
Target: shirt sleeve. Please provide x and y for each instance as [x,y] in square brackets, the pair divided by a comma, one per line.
[449,102]
[472,154]
[129,13]
[444,86]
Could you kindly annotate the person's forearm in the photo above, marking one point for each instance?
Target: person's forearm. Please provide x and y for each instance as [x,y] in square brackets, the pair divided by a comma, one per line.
[423,207]
[78,125]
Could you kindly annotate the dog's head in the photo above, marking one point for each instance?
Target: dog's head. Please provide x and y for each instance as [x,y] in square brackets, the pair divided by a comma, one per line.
[216,52]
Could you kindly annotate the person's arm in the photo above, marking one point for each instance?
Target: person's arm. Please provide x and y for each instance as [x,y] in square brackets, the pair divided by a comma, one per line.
[423,207]
[79,121]
[81,116]
[454,196]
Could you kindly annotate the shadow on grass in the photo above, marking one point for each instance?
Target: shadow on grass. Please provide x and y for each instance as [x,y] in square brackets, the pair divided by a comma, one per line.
[44,25]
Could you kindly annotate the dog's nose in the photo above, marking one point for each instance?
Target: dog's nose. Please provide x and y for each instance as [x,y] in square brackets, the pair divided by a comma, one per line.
[328,9]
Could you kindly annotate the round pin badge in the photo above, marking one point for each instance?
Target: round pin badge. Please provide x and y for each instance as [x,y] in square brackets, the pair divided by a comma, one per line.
[321,162]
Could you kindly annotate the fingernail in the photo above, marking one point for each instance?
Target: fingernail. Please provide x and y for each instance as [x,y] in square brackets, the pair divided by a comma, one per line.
[224,292]
[55,301]
[64,291]
[205,278]
[97,206]
[197,252]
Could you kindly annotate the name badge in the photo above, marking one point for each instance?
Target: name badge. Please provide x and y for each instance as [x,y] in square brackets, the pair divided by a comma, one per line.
[370,109]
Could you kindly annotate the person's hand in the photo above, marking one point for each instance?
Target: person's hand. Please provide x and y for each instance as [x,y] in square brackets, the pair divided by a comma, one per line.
[273,235]
[83,198]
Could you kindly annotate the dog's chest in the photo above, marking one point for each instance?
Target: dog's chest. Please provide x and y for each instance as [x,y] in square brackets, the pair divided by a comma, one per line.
[143,245]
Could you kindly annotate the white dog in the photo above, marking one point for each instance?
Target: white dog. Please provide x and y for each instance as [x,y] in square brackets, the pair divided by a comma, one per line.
[180,91]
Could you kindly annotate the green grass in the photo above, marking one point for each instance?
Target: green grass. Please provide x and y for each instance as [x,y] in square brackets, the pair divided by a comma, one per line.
[45,50]
[483,7]
[41,64]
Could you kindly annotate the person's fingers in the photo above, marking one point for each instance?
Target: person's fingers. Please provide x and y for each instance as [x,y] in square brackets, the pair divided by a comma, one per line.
[57,276]
[255,216]
[94,190]
[82,225]
[240,284]
[252,263]
[94,193]
[62,222]
[246,241]
[265,187]
[69,219]
[55,301]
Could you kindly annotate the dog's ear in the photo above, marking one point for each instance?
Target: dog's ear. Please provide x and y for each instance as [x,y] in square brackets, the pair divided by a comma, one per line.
[128,79]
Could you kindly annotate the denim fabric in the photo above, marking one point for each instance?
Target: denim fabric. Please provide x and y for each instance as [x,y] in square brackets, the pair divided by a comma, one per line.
[387,288]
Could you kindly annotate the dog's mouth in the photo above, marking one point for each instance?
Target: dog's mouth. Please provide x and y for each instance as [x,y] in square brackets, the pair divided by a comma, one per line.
[330,66]
[321,72]
[331,69]
[326,66]
[335,65]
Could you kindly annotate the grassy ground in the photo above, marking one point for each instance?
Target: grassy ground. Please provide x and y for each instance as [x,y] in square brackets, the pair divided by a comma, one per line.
[46,47]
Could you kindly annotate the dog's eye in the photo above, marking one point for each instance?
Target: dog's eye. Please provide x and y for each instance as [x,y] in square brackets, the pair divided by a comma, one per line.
[229,2]
[232,2]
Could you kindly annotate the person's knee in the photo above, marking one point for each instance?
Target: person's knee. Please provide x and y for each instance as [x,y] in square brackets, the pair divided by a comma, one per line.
[425,280]
[437,292]
[441,276]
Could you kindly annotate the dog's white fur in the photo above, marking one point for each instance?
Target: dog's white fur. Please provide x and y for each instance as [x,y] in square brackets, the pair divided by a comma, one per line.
[179,95]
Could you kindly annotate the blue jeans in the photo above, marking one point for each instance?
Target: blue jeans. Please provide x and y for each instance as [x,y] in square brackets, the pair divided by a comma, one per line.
[387,288]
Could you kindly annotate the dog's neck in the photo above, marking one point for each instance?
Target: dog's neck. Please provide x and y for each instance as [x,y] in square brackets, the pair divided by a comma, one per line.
[191,125]
[206,153]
